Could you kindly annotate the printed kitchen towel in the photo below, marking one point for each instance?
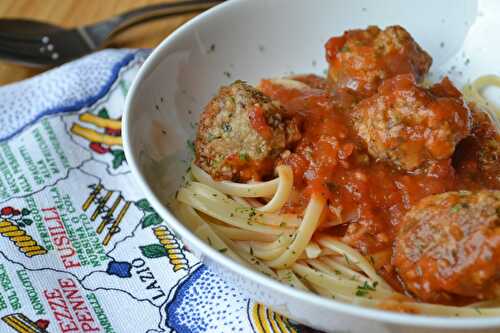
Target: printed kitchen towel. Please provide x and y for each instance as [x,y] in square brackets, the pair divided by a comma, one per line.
[81,250]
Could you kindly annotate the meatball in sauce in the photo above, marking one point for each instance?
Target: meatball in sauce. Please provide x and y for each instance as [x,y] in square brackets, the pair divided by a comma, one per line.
[409,126]
[448,249]
[240,134]
[361,59]
[409,172]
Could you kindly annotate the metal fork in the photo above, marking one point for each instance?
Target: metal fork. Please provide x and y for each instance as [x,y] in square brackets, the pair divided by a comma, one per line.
[36,43]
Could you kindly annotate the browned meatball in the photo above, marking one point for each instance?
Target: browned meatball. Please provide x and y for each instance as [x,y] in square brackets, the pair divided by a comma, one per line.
[488,142]
[410,126]
[241,132]
[448,249]
[361,59]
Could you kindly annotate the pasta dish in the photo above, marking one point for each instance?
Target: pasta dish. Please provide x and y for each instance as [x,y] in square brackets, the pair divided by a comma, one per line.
[370,185]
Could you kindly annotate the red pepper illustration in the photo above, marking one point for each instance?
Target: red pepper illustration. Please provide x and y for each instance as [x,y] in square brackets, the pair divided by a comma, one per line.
[7,210]
[42,323]
[98,148]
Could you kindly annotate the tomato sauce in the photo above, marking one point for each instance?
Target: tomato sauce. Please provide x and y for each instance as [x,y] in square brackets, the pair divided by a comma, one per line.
[366,198]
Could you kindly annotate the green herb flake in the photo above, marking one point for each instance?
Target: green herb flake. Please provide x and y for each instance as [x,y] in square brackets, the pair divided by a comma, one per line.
[361,293]
[456,208]
[223,250]
[226,127]
[244,157]
[345,48]
[363,290]
[190,145]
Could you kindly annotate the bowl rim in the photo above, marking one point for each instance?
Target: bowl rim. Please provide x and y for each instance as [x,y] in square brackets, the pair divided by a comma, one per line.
[306,297]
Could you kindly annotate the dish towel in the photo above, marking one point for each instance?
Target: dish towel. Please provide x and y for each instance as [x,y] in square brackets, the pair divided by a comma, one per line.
[81,250]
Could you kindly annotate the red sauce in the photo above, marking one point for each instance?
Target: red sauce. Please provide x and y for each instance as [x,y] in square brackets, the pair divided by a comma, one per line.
[331,159]
[259,123]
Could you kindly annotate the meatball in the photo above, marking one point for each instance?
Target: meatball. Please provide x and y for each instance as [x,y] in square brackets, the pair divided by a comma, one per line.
[241,133]
[361,59]
[409,126]
[448,248]
[488,153]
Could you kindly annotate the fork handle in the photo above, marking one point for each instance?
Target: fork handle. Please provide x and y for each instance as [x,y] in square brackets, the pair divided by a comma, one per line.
[159,10]
[96,34]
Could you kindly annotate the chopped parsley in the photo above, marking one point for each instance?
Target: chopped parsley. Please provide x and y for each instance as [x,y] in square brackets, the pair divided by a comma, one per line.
[458,207]
[223,250]
[363,290]
[244,157]
[251,250]
[227,74]
[190,145]
[361,293]
[345,48]
[209,241]
[226,127]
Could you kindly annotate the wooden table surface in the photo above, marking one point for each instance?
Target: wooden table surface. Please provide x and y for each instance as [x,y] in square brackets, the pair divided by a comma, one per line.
[69,13]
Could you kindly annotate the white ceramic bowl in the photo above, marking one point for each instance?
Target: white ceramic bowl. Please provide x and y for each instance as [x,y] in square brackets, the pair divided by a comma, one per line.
[250,40]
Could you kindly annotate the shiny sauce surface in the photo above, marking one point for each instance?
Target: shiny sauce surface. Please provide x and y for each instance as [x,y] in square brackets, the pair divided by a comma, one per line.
[366,198]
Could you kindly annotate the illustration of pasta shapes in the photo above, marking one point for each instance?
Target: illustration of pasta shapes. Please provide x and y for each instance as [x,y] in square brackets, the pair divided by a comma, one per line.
[267,321]
[20,323]
[102,133]
[12,222]
[168,247]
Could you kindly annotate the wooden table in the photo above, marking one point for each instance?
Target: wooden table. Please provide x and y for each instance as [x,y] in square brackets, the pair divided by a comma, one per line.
[69,13]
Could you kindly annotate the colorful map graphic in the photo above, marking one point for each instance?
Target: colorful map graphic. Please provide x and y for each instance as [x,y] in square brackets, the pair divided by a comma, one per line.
[81,250]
